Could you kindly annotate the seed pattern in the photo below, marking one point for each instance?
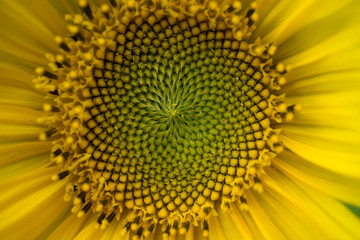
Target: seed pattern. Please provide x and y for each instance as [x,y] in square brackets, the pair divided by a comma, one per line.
[161,111]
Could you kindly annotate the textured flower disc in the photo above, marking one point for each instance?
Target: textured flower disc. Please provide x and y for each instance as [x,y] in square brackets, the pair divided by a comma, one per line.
[162,112]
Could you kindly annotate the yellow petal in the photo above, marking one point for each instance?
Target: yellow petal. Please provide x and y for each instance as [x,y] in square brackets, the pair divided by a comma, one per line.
[224,227]
[19,187]
[343,61]
[30,203]
[21,151]
[21,79]
[20,97]
[337,161]
[263,221]
[68,229]
[18,115]
[113,232]
[335,185]
[281,18]
[90,232]
[24,166]
[330,138]
[330,34]
[326,83]
[279,211]
[36,23]
[13,132]
[237,217]
[316,212]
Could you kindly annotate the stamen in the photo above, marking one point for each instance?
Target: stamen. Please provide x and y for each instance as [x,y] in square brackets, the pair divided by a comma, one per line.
[76,34]
[86,8]
[166,233]
[185,228]
[205,229]
[101,218]
[59,40]
[45,135]
[139,232]
[111,217]
[149,230]
[294,108]
[42,71]
[105,9]
[60,176]
[174,228]
[84,210]
[243,204]
[113,3]
[55,92]
[57,152]
[48,108]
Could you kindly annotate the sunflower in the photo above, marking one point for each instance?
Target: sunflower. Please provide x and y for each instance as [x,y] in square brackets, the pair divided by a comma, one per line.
[180,119]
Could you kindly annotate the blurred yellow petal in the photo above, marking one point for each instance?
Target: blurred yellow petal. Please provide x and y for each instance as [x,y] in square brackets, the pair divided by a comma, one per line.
[12,153]
[332,218]
[24,166]
[11,132]
[17,186]
[68,229]
[322,37]
[237,217]
[264,222]
[23,206]
[89,232]
[332,159]
[225,227]
[18,115]
[281,18]
[28,37]
[340,187]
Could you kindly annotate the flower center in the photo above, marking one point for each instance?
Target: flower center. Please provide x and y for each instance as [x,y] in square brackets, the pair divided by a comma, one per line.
[159,113]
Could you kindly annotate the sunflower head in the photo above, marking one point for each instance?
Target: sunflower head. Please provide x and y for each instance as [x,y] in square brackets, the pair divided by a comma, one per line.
[161,112]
